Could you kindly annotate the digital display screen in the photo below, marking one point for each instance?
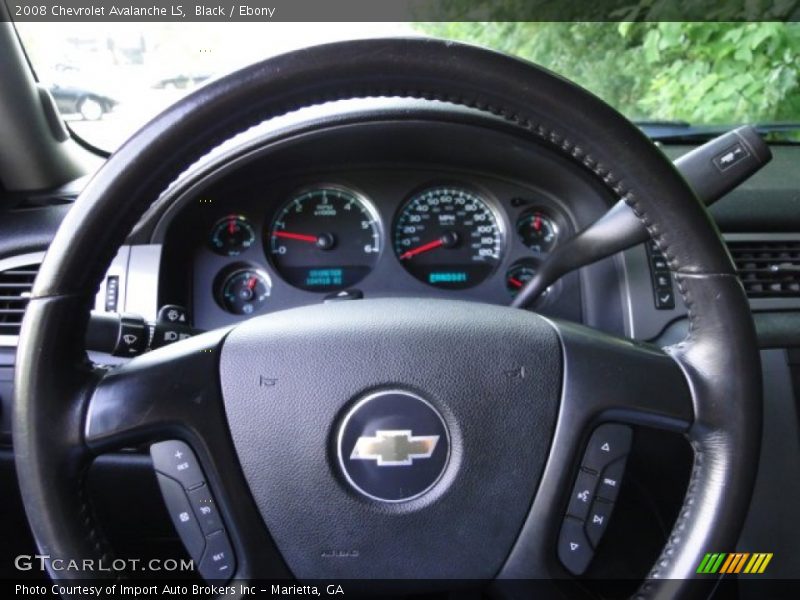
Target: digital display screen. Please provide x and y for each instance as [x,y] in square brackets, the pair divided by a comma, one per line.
[325,278]
[447,277]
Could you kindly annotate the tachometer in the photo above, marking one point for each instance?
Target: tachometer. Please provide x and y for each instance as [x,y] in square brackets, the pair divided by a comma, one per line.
[448,237]
[327,238]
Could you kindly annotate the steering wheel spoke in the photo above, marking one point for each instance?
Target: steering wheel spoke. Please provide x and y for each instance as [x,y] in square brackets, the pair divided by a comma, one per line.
[171,399]
[609,384]
[173,392]
[608,378]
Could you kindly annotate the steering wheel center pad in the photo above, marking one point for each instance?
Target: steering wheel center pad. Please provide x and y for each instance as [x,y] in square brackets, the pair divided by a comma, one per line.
[494,374]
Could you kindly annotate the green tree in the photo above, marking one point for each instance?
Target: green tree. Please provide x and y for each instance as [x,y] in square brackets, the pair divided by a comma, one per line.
[699,72]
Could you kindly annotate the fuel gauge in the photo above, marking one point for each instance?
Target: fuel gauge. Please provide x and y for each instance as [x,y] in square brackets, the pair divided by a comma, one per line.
[518,275]
[232,235]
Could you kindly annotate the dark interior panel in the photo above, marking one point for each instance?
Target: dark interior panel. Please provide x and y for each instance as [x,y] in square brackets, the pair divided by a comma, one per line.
[386,163]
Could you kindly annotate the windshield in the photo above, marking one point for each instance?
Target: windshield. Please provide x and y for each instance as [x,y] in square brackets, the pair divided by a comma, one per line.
[110,78]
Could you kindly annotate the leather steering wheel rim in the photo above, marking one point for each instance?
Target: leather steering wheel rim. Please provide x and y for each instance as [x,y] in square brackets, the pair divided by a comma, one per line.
[719,357]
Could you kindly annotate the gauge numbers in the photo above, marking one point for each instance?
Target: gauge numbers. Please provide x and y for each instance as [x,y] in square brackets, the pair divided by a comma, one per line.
[448,237]
[325,239]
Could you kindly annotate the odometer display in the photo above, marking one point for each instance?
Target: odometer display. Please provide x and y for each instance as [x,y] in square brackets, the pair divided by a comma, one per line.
[324,239]
[448,237]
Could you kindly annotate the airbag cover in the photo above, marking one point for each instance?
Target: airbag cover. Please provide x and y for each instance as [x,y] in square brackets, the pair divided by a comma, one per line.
[493,374]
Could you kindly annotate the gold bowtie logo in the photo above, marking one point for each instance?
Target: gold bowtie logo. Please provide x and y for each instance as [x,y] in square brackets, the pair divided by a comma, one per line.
[394,448]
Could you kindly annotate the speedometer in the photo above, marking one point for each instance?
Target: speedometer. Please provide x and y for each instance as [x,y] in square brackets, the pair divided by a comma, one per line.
[448,237]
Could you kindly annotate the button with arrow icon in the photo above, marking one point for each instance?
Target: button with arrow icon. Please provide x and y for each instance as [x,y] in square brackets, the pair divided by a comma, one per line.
[574,549]
[608,443]
[598,520]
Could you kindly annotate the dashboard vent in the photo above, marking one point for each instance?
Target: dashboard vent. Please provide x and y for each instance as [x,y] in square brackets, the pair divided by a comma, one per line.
[15,290]
[768,269]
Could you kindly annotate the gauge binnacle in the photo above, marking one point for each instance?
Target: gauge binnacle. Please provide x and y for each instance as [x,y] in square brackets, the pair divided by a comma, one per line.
[325,239]
[448,237]
[232,235]
[243,290]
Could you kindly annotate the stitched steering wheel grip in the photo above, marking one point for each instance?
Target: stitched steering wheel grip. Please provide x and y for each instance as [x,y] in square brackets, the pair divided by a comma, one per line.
[719,359]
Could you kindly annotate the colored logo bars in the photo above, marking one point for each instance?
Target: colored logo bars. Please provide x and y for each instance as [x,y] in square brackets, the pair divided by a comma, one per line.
[737,562]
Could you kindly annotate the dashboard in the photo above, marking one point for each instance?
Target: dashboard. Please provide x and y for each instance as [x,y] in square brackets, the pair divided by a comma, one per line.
[377,207]
[421,199]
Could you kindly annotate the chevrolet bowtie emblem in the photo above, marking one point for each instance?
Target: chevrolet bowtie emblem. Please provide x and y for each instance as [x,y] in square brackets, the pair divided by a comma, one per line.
[394,448]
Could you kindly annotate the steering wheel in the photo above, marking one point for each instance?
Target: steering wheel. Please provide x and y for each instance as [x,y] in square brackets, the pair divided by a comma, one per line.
[493,406]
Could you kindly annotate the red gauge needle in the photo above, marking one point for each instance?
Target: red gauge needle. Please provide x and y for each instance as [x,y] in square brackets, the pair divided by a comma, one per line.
[232,226]
[420,249]
[251,283]
[515,282]
[296,236]
[537,222]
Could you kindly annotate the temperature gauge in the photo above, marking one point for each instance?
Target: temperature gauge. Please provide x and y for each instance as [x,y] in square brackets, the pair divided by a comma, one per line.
[538,231]
[232,235]
[517,276]
[242,290]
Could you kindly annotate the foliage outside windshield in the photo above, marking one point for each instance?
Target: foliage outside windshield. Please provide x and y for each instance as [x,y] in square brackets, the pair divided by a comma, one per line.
[110,78]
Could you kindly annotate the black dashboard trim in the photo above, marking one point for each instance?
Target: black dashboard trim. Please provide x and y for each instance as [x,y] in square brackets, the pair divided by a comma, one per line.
[150,228]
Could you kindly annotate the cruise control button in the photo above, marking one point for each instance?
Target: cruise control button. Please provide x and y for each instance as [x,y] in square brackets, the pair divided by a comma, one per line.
[608,443]
[218,562]
[205,509]
[582,494]
[611,479]
[574,550]
[175,459]
[597,521]
[182,516]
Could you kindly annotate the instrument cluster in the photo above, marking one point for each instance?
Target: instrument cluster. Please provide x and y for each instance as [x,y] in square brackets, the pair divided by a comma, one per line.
[328,239]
